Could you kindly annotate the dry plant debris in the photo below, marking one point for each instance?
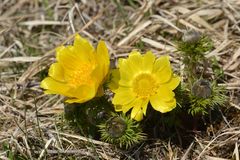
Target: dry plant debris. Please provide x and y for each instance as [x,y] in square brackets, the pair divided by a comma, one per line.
[31,125]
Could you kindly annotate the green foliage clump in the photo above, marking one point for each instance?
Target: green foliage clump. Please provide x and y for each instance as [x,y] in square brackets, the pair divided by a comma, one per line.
[196,49]
[85,117]
[195,97]
[201,105]
[193,48]
[121,131]
[217,70]
[202,96]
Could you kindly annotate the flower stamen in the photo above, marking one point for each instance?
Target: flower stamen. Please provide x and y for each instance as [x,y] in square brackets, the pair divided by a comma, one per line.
[82,75]
[144,85]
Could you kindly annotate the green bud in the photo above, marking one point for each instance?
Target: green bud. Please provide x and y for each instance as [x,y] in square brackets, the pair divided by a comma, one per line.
[116,126]
[191,36]
[202,88]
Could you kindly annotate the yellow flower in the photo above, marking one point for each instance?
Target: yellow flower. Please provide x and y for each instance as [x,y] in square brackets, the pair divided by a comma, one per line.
[79,72]
[143,78]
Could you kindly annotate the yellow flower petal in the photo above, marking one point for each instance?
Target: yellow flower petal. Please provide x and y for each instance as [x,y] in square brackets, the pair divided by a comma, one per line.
[139,109]
[137,113]
[74,100]
[162,106]
[54,87]
[139,116]
[136,102]
[144,106]
[83,48]
[127,107]
[120,62]
[148,61]
[114,79]
[103,57]
[83,93]
[130,68]
[173,82]
[164,93]
[67,58]
[123,96]
[126,74]
[56,72]
[135,61]
[164,74]
[161,63]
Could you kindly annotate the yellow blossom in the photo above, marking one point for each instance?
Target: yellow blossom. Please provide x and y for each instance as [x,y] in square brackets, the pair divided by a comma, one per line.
[79,71]
[143,78]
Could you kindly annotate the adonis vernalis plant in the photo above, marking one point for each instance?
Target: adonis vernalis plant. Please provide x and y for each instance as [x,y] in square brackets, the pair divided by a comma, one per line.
[205,93]
[141,79]
[79,72]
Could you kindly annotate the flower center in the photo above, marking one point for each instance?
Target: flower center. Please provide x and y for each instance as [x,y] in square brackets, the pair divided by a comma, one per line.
[144,85]
[82,75]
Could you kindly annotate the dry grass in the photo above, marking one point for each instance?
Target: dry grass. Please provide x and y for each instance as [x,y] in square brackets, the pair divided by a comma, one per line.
[31,126]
